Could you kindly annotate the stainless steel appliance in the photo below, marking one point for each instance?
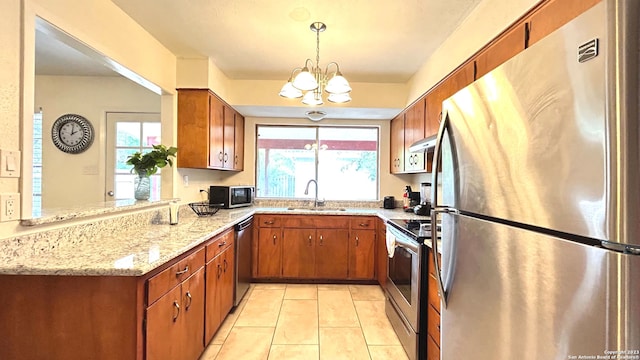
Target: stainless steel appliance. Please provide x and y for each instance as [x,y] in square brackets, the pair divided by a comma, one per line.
[406,286]
[229,197]
[540,202]
[244,234]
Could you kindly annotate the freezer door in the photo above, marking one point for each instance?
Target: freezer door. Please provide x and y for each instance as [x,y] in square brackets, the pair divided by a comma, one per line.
[529,139]
[518,294]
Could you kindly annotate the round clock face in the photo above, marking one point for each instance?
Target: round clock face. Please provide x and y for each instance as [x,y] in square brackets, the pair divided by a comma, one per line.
[72,133]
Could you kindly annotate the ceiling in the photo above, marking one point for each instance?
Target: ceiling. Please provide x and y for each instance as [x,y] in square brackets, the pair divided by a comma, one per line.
[373,41]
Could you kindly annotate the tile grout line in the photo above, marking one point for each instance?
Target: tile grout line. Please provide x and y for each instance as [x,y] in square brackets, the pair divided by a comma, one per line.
[360,323]
[275,327]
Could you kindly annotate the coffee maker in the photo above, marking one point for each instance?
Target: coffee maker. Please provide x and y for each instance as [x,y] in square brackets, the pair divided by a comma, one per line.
[424,208]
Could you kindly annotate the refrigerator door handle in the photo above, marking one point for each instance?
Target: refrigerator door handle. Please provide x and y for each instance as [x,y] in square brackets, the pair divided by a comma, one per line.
[434,241]
[436,161]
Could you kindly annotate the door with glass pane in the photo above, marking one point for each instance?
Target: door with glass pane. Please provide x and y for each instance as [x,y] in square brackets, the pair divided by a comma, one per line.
[126,134]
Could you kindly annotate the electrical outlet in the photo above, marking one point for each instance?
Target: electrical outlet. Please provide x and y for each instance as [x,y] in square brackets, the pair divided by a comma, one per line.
[9,206]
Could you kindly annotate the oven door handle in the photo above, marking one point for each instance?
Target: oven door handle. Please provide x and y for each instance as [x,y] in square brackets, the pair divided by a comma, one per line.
[409,245]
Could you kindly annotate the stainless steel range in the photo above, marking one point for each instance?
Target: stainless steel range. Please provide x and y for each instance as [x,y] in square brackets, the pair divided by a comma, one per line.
[407,278]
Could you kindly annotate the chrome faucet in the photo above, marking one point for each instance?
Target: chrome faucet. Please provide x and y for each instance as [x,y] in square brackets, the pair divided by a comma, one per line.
[306,192]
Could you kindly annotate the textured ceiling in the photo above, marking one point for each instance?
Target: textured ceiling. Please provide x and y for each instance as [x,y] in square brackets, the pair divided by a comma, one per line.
[372,40]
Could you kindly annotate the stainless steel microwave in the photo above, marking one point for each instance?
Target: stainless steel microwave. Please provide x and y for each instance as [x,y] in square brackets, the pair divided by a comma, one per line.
[229,197]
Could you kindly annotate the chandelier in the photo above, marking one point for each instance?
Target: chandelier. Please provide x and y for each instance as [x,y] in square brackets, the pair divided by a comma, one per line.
[309,81]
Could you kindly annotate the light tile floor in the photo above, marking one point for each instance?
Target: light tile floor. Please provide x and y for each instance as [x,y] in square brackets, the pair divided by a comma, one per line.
[299,321]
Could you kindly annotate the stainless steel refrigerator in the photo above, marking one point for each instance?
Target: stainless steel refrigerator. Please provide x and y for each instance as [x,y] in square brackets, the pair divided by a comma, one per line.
[539,199]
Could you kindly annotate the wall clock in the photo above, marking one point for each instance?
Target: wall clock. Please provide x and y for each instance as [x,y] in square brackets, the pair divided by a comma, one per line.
[72,133]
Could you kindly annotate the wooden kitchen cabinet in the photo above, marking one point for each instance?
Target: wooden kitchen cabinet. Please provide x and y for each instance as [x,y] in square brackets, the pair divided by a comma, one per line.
[433,311]
[175,328]
[299,255]
[207,132]
[501,49]
[239,142]
[219,282]
[362,252]
[323,247]
[382,259]
[414,124]
[397,144]
[551,15]
[269,252]
[332,251]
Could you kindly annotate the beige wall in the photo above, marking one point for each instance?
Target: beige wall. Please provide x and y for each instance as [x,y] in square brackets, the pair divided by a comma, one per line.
[75,179]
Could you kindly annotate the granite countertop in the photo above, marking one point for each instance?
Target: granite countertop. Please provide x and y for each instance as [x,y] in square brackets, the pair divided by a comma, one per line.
[138,250]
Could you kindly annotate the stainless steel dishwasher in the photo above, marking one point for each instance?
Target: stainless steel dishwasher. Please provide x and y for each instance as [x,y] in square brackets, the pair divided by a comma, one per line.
[244,233]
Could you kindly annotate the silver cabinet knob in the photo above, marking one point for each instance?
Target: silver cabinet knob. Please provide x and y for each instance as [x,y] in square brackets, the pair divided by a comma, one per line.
[110,193]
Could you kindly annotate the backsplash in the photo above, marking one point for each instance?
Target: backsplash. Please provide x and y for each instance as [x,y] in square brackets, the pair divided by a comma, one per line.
[283,203]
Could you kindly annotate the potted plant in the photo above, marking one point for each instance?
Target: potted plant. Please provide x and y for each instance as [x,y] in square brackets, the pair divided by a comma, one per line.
[147,164]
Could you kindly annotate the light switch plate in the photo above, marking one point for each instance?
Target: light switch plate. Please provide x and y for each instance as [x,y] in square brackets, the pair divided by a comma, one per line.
[9,163]
[9,206]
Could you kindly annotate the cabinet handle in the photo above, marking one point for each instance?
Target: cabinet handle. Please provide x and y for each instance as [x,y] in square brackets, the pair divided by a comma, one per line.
[176,310]
[188,296]
[357,240]
[186,270]
[320,240]
[222,244]
[438,326]
[274,239]
[270,222]
[220,156]
[440,117]
[309,240]
[364,224]
[219,271]
[225,265]
[236,160]
[226,157]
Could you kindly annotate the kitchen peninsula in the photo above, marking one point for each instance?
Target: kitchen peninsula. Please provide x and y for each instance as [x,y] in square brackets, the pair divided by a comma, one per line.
[97,295]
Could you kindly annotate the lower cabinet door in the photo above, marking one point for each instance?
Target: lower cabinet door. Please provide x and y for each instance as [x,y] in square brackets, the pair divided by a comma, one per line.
[212,319]
[269,253]
[164,327]
[362,251]
[298,257]
[193,316]
[227,285]
[332,253]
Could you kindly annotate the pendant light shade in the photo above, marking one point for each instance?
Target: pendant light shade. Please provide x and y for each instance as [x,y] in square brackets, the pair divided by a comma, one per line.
[338,85]
[305,81]
[339,98]
[312,98]
[290,91]
[311,82]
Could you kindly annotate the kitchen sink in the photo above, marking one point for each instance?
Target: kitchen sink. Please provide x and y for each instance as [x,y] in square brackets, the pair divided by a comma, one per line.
[322,208]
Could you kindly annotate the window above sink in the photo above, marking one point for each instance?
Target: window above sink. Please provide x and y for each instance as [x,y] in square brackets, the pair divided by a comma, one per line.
[343,160]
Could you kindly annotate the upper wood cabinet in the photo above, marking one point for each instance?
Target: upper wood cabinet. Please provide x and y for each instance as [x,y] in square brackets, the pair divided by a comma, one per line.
[503,48]
[551,15]
[414,124]
[210,132]
[397,144]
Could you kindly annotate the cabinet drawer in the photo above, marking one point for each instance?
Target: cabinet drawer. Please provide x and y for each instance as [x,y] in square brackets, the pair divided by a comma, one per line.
[434,299]
[318,221]
[268,221]
[362,222]
[173,275]
[219,244]
[433,325]
[433,350]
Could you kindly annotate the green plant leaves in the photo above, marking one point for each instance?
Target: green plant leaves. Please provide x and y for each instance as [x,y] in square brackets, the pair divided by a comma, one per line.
[149,163]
